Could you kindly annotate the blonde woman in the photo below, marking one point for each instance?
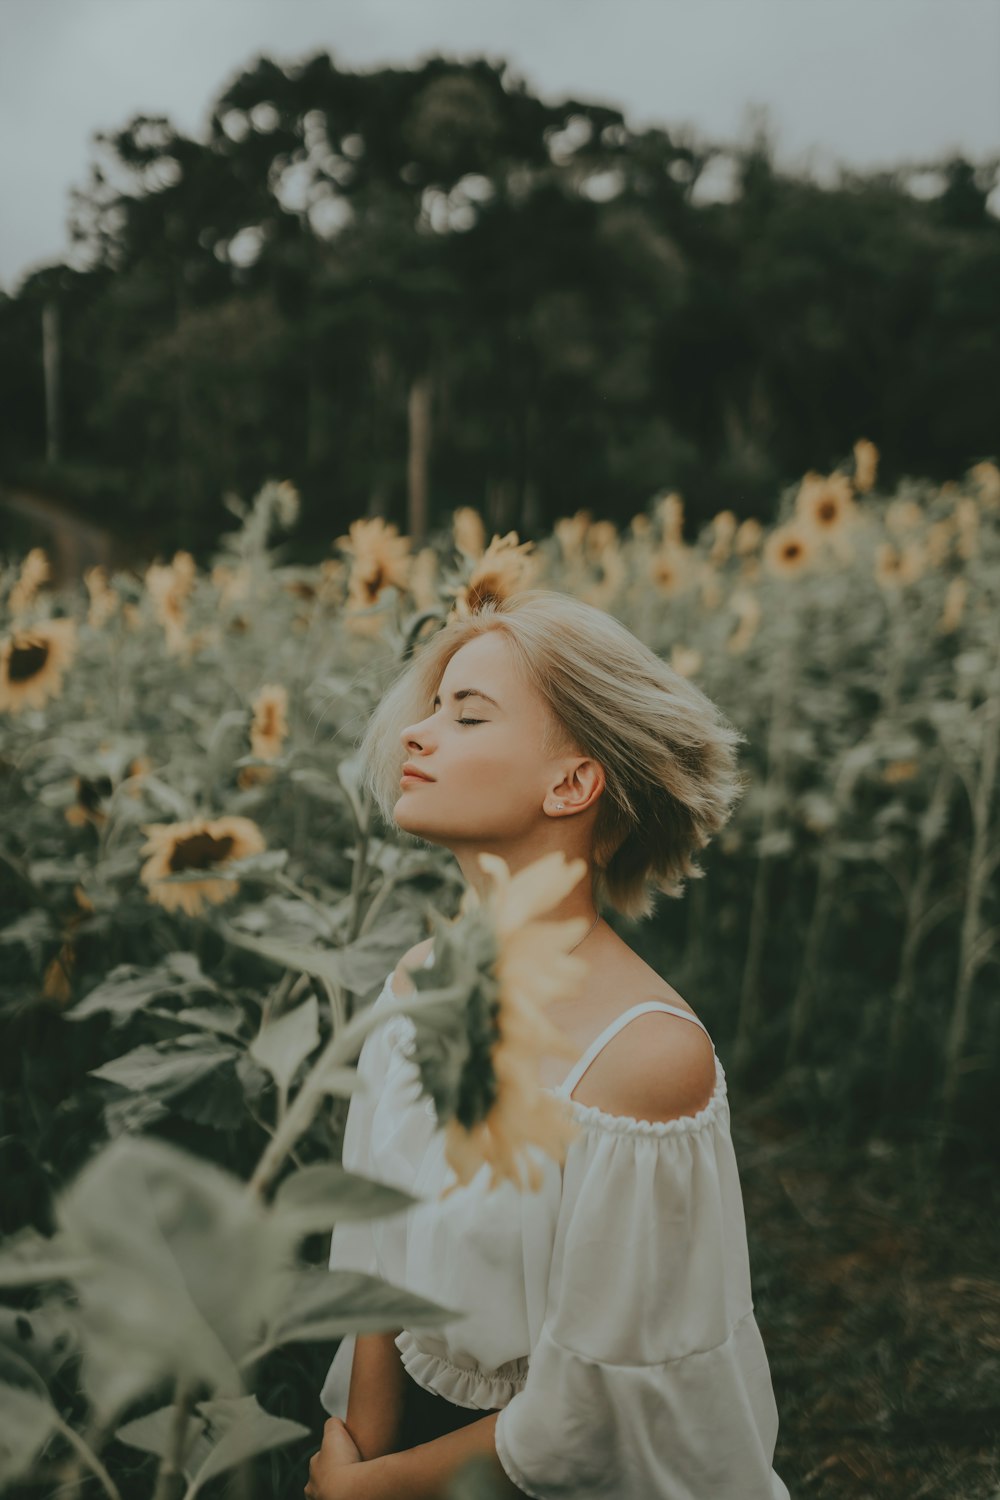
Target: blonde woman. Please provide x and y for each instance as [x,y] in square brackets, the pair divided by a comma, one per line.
[608,1346]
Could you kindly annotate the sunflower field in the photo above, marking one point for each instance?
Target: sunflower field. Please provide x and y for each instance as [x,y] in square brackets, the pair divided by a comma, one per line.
[199,904]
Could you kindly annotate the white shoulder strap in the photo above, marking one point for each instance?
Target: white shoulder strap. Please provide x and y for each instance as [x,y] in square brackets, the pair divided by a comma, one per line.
[570,1082]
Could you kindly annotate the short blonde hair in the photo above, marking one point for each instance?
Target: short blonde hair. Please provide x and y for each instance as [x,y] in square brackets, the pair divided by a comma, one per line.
[668,752]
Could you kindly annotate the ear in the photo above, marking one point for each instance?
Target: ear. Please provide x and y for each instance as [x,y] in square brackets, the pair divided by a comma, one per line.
[581,785]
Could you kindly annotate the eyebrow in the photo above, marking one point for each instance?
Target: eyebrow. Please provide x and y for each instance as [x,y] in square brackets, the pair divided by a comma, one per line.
[470,693]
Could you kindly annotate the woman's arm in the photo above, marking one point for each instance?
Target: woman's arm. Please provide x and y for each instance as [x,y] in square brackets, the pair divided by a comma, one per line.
[423,1472]
[375,1402]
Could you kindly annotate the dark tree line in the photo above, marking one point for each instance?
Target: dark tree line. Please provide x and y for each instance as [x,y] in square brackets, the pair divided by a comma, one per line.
[413,289]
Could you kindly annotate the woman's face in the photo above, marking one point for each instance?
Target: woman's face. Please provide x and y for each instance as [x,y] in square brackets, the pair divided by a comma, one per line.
[492,782]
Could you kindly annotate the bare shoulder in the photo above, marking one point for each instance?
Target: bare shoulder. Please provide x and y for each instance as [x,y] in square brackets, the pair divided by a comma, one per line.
[659,1067]
[402,984]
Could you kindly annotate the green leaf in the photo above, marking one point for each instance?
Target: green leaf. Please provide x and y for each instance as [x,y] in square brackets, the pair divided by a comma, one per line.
[167,1068]
[220,1434]
[283,1045]
[129,988]
[28,1258]
[27,1421]
[185,1268]
[154,1433]
[358,967]
[316,1197]
[318,1305]
[236,1429]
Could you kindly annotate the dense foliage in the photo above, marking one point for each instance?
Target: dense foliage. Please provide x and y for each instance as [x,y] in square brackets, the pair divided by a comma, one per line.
[413,289]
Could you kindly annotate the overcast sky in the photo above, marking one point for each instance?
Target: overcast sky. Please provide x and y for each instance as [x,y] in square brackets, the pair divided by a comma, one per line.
[866,82]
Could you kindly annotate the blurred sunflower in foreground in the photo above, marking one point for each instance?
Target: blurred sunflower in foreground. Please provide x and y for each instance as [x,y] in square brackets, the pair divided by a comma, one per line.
[505,964]
[32,663]
[205,844]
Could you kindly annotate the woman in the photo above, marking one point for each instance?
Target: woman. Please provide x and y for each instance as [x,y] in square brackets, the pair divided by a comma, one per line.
[606,1345]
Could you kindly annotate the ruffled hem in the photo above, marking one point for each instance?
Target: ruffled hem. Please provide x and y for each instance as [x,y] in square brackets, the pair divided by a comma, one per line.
[598,1119]
[479,1390]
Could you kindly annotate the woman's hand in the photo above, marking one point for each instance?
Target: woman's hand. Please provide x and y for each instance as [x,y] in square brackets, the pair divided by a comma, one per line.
[332,1469]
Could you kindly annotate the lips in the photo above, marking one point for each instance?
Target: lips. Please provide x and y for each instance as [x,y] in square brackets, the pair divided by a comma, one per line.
[412,771]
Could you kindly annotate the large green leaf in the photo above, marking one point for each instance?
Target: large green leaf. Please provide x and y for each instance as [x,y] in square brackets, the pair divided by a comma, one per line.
[282,1046]
[318,1304]
[316,1197]
[184,1268]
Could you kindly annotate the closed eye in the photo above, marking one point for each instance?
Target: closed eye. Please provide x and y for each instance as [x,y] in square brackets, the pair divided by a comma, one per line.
[470,721]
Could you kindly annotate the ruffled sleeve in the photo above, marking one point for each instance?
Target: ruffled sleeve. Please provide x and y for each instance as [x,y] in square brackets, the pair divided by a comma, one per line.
[649,1376]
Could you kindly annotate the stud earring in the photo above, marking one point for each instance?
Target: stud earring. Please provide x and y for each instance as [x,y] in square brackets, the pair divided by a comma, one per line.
[559,804]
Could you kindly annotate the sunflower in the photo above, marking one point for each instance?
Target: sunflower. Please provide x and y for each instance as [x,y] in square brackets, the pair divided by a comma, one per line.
[198,844]
[685,660]
[380,560]
[103,599]
[270,724]
[232,584]
[668,570]
[711,587]
[724,528]
[468,531]
[938,541]
[826,508]
[139,767]
[747,607]
[986,478]
[506,567]
[902,516]
[955,596]
[571,533]
[614,575]
[865,465]
[748,537]
[669,511]
[34,572]
[268,732]
[168,585]
[966,515]
[788,551]
[895,567]
[32,662]
[533,968]
[601,537]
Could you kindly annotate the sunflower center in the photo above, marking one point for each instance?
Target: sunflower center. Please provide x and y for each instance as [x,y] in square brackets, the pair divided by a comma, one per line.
[375,582]
[26,660]
[199,852]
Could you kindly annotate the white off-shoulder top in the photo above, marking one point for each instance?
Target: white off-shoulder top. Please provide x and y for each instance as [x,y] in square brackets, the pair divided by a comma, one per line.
[608,1314]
